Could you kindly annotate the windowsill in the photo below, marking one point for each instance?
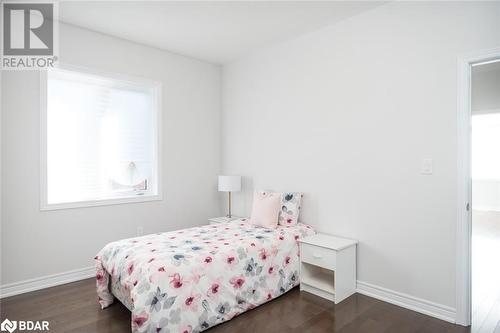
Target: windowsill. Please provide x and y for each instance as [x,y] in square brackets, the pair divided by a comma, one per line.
[96,203]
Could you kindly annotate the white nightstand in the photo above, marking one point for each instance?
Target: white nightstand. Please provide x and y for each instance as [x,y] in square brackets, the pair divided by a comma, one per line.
[328,266]
[222,219]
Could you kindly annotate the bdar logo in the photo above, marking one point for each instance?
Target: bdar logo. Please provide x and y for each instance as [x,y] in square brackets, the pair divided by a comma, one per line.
[9,326]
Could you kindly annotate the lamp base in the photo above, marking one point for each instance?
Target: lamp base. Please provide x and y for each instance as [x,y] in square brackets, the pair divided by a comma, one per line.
[229,201]
[229,219]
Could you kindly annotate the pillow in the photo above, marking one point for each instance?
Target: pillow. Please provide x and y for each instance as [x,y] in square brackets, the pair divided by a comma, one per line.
[290,208]
[265,209]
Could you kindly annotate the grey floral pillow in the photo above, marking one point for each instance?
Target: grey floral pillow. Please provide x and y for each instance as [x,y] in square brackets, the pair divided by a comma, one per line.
[290,208]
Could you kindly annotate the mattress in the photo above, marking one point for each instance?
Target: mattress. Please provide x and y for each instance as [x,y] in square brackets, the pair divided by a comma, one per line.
[192,279]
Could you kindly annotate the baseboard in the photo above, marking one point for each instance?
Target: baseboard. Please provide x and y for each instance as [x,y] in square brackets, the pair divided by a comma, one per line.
[47,281]
[429,308]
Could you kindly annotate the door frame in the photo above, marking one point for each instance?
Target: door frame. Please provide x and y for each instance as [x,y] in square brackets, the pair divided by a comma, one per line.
[464,204]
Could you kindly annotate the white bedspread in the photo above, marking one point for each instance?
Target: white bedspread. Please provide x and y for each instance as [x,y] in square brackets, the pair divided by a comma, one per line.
[192,279]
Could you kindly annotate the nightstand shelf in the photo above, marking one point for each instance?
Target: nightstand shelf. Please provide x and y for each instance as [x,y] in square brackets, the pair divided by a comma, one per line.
[328,266]
[312,276]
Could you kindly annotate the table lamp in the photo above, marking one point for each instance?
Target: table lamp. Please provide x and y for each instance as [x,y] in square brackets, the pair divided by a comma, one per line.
[229,184]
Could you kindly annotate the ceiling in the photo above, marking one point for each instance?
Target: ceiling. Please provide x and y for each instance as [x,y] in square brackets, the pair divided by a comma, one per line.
[214,31]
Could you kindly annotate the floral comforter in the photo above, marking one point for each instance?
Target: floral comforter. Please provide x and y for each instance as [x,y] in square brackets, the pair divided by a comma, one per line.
[192,279]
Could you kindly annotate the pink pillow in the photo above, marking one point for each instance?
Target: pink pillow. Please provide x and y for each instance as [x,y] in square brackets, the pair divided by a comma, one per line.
[265,209]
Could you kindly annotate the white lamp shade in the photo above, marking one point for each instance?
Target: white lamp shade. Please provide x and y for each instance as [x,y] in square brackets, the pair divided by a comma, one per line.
[229,183]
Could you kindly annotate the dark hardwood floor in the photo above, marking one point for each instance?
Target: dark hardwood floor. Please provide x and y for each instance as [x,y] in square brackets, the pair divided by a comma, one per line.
[73,308]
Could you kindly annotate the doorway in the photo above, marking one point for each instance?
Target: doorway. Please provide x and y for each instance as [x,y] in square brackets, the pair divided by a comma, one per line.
[468,66]
[485,175]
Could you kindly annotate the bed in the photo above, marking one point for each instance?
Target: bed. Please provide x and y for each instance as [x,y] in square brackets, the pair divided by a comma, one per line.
[192,279]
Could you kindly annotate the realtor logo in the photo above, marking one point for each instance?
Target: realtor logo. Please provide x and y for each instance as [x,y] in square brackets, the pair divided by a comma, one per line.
[8,326]
[28,29]
[29,35]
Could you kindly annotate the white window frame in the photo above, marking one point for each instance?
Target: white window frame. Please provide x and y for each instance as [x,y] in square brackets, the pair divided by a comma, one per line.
[157,88]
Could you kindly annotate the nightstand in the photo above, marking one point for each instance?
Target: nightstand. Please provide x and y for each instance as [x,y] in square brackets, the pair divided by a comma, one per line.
[222,219]
[328,266]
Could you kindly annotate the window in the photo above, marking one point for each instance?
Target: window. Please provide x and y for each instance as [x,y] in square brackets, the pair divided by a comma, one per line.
[100,140]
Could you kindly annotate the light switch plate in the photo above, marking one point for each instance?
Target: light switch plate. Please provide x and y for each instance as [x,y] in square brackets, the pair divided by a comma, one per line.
[426,166]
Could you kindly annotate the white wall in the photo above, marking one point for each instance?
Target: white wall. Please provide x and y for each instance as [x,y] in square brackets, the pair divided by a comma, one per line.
[486,195]
[346,114]
[36,243]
